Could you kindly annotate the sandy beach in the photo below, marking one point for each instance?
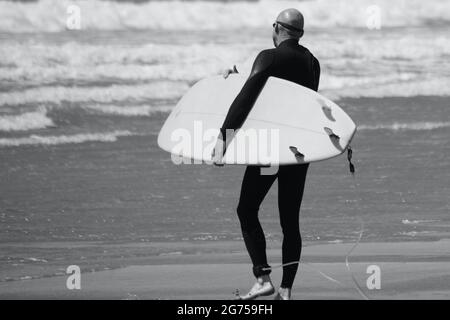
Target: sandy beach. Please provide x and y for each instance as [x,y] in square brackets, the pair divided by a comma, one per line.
[409,270]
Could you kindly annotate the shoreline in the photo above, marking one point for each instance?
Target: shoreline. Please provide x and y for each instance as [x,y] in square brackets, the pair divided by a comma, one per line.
[409,270]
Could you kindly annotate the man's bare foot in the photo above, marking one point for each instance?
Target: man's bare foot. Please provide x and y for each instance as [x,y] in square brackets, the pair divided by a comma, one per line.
[283,294]
[262,287]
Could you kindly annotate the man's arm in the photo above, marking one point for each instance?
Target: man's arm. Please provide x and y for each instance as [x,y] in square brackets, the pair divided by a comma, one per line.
[244,101]
[316,72]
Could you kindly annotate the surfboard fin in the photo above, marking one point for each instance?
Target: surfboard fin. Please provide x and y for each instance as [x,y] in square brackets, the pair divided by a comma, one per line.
[331,134]
[298,155]
[326,110]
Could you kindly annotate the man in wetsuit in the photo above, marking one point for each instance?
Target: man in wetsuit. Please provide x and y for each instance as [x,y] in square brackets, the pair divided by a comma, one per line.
[292,62]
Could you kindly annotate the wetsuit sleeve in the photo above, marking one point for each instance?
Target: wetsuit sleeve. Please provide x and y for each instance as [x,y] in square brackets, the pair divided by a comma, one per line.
[244,101]
[316,73]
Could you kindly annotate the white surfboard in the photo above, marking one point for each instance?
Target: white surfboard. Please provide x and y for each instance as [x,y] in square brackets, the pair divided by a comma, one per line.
[288,124]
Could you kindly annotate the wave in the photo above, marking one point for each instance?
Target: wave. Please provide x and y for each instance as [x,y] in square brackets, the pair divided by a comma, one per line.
[426,87]
[64,139]
[175,71]
[334,82]
[406,221]
[352,67]
[333,87]
[52,16]
[26,121]
[128,111]
[58,94]
[414,126]
[48,63]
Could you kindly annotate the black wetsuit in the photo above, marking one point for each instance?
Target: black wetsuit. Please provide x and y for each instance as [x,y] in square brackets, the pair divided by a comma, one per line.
[293,62]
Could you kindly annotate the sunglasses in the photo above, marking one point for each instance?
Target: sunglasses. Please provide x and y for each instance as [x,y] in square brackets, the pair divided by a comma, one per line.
[286,26]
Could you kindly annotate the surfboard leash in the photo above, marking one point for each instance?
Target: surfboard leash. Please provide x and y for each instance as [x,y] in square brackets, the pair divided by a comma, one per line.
[347,264]
[329,278]
[349,158]
[280,265]
[323,274]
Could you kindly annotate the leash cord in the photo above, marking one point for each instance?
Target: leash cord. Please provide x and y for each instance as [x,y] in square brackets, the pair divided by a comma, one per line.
[347,264]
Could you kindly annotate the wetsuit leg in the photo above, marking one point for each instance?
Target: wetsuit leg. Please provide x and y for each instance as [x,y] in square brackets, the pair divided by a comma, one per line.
[291,183]
[254,188]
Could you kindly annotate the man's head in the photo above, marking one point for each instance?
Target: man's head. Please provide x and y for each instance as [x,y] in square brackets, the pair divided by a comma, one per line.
[288,25]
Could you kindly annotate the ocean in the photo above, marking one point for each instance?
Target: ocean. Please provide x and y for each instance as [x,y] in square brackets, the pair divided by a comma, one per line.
[80,110]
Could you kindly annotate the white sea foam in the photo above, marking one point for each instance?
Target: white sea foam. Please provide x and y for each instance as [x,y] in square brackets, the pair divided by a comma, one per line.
[415,222]
[396,85]
[360,66]
[424,87]
[128,111]
[26,121]
[51,15]
[58,94]
[46,63]
[64,139]
[398,126]
[329,82]
[36,259]
[414,233]
[358,53]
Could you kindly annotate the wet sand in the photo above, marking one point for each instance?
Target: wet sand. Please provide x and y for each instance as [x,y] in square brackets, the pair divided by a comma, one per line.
[409,270]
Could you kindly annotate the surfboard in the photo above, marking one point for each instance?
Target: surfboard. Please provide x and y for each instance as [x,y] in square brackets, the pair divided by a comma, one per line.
[288,124]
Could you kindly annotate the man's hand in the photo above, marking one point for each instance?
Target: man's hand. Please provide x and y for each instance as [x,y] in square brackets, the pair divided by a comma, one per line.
[218,152]
[227,72]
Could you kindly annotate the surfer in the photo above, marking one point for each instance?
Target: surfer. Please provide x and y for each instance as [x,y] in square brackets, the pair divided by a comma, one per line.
[290,61]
